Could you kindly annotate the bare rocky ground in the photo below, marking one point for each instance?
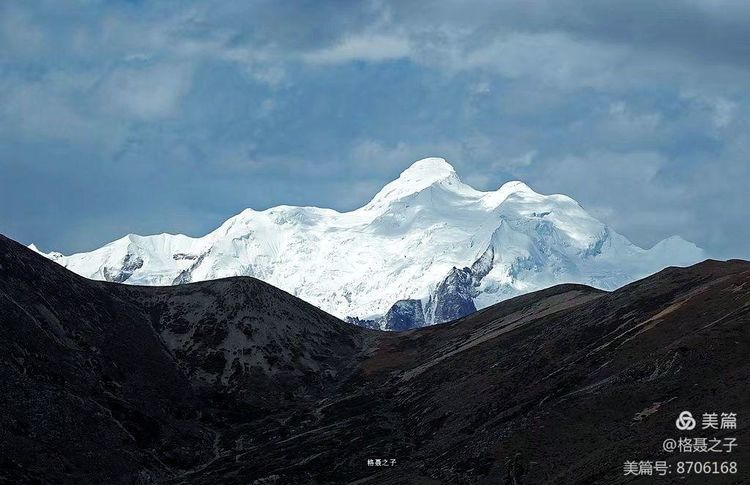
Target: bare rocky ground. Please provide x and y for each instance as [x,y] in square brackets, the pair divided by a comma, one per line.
[234,381]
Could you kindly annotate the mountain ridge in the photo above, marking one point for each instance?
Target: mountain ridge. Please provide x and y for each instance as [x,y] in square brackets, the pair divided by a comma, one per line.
[405,244]
[234,381]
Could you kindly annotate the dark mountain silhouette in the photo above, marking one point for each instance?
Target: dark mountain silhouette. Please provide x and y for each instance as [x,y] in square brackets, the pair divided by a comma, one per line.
[235,381]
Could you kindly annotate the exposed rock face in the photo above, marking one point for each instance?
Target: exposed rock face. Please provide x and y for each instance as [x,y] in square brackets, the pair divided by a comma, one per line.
[130,264]
[234,381]
[453,297]
[404,314]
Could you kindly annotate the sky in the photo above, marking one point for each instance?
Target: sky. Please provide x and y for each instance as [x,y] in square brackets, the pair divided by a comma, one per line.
[122,117]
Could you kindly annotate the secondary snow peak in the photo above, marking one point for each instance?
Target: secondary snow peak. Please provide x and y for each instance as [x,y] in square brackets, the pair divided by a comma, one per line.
[494,199]
[515,186]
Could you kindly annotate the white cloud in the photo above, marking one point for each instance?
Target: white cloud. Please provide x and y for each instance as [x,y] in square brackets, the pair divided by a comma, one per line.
[364,47]
[626,122]
[549,57]
[720,110]
[145,92]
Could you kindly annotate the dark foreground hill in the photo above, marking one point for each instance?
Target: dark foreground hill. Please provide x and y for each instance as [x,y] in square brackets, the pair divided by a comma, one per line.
[234,381]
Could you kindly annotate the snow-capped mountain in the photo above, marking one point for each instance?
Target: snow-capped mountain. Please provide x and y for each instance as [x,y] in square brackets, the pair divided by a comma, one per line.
[426,249]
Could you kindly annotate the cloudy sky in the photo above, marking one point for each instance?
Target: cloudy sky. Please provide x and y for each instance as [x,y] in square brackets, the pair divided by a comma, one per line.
[149,117]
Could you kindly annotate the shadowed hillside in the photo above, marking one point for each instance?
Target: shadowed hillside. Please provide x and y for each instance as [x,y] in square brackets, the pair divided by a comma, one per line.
[235,381]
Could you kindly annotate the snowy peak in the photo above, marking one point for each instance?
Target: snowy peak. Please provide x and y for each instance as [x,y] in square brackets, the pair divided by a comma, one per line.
[51,255]
[421,175]
[494,199]
[427,240]
[428,168]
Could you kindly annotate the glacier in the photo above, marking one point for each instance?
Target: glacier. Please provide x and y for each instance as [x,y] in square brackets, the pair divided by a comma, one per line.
[426,249]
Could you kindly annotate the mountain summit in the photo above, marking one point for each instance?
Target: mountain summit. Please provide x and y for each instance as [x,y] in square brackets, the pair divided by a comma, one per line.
[419,176]
[427,248]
